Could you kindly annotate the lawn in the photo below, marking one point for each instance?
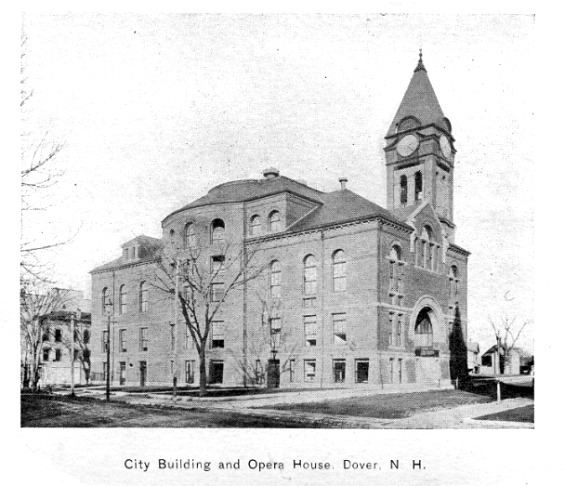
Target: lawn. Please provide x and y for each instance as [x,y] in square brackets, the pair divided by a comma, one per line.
[59,411]
[522,414]
[389,406]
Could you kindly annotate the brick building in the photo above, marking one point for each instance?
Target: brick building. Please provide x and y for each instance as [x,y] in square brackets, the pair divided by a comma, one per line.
[350,292]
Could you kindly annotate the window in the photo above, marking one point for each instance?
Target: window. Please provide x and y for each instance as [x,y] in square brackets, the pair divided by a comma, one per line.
[310,275]
[362,371]
[418,186]
[309,370]
[188,342]
[58,355]
[123,300]
[275,325]
[143,297]
[143,341]
[46,355]
[58,335]
[486,360]
[390,328]
[339,325]
[275,221]
[339,370]
[172,368]
[218,334]
[172,238]
[310,330]
[453,286]
[189,371]
[275,279]
[339,274]
[395,275]
[104,341]
[399,370]
[189,236]
[255,225]
[86,336]
[403,189]
[122,372]
[126,254]
[218,230]
[292,370]
[123,348]
[217,264]
[106,302]
[217,291]
[399,326]
[45,336]
[173,337]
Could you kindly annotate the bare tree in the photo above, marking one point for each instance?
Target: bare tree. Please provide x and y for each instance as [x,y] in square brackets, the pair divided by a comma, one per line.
[35,305]
[507,333]
[39,152]
[201,287]
[81,345]
[273,341]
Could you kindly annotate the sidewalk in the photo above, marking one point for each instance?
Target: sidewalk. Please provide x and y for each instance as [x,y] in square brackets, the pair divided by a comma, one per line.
[460,417]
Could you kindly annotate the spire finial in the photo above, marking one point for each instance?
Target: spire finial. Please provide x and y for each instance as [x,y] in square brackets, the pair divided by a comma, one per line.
[420,66]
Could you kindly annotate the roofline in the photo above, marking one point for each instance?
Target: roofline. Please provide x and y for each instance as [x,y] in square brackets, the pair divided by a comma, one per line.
[376,217]
[458,249]
[422,127]
[185,208]
[120,266]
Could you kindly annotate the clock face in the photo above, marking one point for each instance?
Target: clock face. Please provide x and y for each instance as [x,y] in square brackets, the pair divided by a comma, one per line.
[445,146]
[407,145]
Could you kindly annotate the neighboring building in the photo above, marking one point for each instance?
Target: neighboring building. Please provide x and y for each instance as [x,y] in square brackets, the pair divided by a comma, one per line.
[54,338]
[509,365]
[56,348]
[473,358]
[356,293]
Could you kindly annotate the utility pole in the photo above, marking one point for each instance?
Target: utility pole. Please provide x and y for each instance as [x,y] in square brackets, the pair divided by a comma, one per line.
[497,366]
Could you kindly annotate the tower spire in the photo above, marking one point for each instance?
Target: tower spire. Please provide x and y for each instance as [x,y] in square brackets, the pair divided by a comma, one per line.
[420,66]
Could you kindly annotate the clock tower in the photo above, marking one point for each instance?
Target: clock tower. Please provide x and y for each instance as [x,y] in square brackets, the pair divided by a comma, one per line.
[420,153]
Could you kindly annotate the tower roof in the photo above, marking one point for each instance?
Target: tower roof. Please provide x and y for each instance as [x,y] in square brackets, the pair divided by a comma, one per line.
[420,101]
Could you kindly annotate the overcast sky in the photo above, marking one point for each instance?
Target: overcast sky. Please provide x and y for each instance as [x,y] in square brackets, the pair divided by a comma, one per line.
[157,109]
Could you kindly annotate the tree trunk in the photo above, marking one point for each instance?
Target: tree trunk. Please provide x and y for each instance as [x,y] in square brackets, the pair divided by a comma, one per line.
[202,388]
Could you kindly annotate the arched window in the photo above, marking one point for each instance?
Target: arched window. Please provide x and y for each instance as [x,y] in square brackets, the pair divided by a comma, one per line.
[218,230]
[123,299]
[453,286]
[255,225]
[339,271]
[172,237]
[395,276]
[143,297]
[310,275]
[275,221]
[428,249]
[275,279]
[403,189]
[189,236]
[418,186]
[106,302]
[423,333]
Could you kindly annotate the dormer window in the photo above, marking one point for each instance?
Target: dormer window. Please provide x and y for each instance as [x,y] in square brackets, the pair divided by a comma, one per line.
[275,221]
[255,225]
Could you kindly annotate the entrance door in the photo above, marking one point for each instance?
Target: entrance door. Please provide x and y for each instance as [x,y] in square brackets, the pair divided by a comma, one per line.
[273,374]
[122,373]
[216,372]
[142,373]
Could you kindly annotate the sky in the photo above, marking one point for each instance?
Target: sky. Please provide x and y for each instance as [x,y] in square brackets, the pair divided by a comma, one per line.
[156,109]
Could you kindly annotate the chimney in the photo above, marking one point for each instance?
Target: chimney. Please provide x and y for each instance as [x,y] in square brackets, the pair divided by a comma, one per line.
[343,182]
[271,173]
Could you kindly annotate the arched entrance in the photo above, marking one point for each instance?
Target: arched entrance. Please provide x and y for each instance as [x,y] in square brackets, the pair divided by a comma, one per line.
[428,332]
